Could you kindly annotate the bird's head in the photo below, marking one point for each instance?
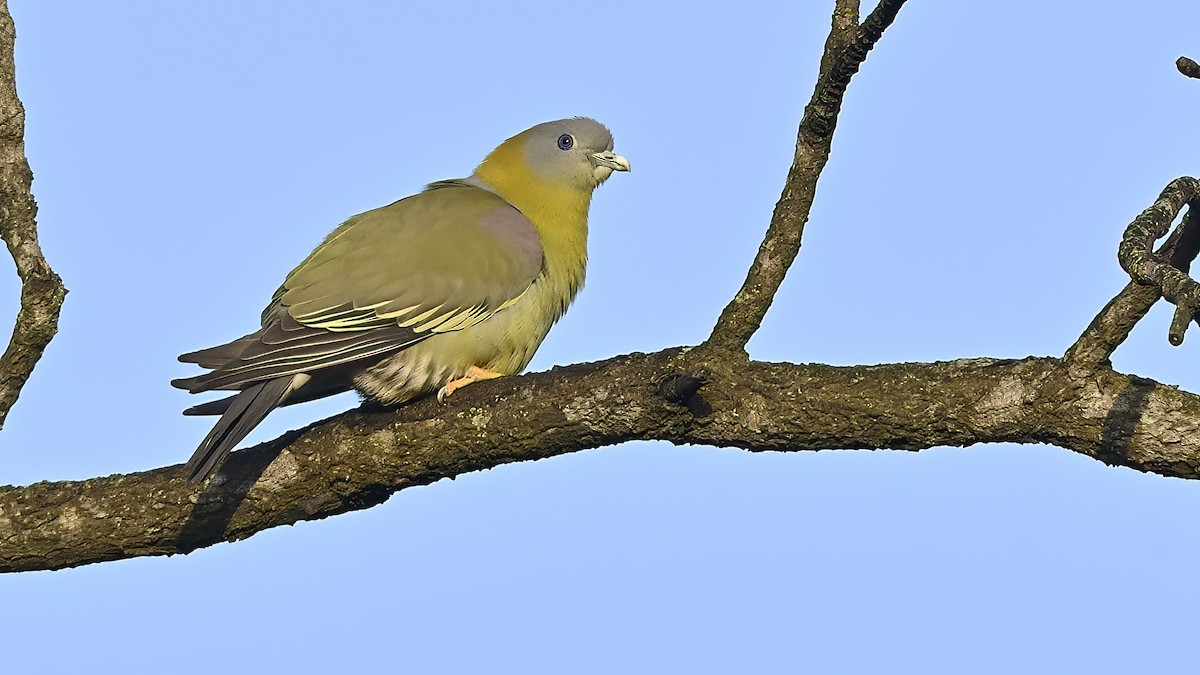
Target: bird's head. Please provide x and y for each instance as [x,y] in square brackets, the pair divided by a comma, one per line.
[565,155]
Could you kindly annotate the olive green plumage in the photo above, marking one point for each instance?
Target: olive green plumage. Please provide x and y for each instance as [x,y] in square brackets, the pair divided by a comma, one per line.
[458,283]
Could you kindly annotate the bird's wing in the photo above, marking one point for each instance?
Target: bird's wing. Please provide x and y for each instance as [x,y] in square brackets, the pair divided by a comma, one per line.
[442,260]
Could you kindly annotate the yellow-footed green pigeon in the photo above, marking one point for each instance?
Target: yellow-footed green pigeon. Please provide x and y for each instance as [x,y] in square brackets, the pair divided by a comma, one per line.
[456,284]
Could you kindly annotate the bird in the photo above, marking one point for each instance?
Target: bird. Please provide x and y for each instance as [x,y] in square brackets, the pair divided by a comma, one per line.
[455,284]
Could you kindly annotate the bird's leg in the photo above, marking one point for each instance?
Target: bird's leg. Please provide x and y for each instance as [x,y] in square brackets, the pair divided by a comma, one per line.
[473,374]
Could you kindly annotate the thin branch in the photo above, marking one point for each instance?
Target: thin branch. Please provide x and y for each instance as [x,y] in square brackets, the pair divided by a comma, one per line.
[359,459]
[1188,67]
[42,291]
[845,50]
[1137,256]
[1111,327]
[1113,324]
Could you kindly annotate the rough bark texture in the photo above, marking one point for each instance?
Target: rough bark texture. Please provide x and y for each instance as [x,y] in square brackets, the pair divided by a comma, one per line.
[42,292]
[1188,67]
[1151,271]
[711,395]
[1147,267]
[359,459]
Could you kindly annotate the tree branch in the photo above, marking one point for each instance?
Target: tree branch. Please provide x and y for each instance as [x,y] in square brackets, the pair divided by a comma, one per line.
[358,459]
[1113,324]
[42,292]
[1188,67]
[845,50]
[1144,266]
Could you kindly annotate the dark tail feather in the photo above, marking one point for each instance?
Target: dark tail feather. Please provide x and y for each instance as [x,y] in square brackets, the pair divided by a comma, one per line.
[299,394]
[244,413]
[217,407]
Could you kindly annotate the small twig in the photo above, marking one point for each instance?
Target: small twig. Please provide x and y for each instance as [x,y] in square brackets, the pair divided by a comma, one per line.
[1138,259]
[1188,67]
[845,50]
[42,291]
[1150,272]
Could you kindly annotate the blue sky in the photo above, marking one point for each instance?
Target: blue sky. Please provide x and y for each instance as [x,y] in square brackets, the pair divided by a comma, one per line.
[187,155]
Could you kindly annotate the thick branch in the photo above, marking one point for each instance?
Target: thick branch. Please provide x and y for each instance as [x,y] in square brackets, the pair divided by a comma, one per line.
[42,292]
[359,459]
[845,50]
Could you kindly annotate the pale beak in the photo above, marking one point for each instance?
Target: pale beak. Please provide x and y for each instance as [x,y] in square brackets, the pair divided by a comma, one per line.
[611,160]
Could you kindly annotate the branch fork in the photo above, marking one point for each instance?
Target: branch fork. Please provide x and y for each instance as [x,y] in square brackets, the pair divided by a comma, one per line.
[1153,274]
[1148,267]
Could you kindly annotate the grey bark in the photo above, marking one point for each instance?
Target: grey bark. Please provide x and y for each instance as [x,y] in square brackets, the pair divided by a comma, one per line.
[359,459]
[42,292]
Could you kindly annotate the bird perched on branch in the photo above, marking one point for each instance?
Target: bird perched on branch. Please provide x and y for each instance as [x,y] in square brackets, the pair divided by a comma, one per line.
[456,284]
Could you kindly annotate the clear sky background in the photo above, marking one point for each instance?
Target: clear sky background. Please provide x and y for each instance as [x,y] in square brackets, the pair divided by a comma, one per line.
[187,155]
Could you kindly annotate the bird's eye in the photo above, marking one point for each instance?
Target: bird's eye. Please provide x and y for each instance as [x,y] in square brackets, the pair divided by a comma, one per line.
[566,142]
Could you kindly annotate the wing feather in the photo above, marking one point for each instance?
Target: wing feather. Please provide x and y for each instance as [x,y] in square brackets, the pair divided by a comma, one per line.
[440,261]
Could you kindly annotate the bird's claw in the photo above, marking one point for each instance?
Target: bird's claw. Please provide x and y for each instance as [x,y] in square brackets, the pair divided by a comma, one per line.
[473,374]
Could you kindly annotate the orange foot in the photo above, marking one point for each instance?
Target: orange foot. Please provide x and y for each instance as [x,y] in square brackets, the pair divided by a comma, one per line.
[473,374]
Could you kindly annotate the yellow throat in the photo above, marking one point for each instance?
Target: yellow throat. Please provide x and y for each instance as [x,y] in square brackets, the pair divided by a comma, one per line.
[558,209]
